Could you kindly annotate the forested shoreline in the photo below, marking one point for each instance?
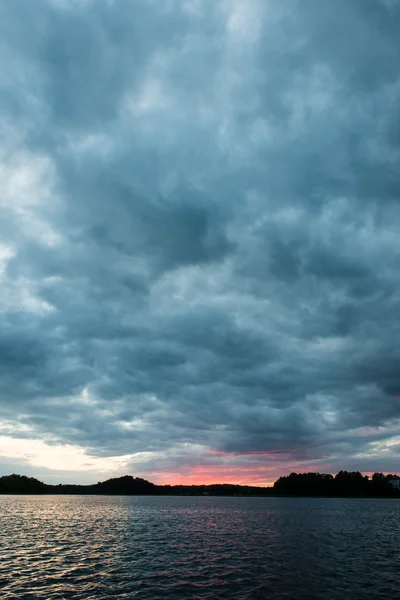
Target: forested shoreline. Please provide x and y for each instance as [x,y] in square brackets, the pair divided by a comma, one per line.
[343,484]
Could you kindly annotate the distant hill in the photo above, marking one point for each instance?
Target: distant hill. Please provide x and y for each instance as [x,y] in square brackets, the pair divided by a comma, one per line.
[344,484]
[20,484]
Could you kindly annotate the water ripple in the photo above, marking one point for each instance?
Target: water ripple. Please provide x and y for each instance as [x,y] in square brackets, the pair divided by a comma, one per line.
[96,547]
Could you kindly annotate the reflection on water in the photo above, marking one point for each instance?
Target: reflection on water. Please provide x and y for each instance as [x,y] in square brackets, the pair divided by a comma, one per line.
[198,547]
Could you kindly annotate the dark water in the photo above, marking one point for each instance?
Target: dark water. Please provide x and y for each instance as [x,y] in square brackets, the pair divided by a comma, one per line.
[198,547]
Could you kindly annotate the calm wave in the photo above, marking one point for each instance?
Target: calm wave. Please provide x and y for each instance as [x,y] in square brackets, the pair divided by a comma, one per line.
[198,547]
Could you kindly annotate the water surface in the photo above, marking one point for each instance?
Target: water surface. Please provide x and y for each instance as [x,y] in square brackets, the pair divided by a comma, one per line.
[98,547]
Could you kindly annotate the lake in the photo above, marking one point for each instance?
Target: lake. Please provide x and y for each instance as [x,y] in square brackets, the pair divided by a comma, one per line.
[95,547]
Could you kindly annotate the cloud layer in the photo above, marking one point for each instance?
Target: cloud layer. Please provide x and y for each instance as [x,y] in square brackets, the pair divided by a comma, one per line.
[199,236]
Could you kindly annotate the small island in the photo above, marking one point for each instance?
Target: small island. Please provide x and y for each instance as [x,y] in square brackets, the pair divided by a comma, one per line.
[343,484]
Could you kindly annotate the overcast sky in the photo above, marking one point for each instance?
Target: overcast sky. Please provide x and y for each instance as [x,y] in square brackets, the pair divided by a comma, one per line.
[199,238]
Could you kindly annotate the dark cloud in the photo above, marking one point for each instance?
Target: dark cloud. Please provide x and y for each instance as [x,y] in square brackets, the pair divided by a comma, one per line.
[199,233]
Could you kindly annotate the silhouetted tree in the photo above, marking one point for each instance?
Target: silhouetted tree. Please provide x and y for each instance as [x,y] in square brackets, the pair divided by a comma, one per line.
[380,485]
[351,483]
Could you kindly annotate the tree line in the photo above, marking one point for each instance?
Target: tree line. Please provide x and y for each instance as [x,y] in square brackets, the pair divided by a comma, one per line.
[343,484]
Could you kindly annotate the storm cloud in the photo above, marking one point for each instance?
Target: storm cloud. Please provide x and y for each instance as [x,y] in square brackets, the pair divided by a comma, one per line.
[199,236]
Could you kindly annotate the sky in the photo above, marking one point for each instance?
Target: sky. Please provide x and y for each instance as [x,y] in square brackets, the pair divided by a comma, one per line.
[199,238]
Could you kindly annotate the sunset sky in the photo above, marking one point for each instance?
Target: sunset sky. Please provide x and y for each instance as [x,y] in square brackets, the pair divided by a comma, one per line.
[199,238]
